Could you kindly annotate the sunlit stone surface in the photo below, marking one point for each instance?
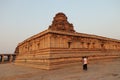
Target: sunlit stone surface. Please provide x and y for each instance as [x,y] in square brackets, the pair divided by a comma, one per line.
[60,45]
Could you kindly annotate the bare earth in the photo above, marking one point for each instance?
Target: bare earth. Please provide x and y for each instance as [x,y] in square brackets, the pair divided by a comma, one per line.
[97,70]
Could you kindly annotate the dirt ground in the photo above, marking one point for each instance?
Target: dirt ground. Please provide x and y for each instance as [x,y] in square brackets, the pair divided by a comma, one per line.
[97,70]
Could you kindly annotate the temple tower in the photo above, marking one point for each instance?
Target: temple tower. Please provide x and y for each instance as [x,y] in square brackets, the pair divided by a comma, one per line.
[60,23]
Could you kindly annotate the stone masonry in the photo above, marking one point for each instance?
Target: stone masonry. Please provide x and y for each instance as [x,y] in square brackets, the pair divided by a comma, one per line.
[61,45]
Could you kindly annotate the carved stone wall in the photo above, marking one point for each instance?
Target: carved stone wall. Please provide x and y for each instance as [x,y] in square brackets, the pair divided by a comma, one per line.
[60,45]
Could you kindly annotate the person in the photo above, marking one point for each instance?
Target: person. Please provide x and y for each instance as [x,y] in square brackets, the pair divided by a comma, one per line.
[85,62]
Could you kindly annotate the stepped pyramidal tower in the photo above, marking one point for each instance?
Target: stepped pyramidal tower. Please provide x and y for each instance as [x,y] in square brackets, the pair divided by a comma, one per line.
[60,45]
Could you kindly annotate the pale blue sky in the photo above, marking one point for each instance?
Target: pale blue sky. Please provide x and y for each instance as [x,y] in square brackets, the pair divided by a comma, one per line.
[20,19]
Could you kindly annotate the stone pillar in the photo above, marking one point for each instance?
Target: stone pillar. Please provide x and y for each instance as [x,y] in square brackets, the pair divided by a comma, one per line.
[10,57]
[13,58]
[2,58]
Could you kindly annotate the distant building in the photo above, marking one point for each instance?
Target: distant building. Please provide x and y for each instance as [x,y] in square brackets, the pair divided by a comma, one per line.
[61,45]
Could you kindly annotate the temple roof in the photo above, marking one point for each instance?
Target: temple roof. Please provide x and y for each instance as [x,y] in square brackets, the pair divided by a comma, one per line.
[83,35]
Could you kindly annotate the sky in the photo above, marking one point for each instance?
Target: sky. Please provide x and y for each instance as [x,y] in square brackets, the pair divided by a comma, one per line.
[20,19]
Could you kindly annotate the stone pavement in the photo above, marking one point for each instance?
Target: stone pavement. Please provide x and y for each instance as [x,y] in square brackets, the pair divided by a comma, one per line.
[97,70]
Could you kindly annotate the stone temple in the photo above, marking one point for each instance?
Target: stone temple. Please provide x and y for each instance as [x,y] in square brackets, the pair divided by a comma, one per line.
[60,45]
